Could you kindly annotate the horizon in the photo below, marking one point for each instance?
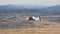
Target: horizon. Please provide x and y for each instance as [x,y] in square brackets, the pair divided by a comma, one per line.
[30,2]
[28,5]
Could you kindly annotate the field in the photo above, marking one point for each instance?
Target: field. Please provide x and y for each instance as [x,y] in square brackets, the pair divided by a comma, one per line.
[50,29]
[32,31]
[16,24]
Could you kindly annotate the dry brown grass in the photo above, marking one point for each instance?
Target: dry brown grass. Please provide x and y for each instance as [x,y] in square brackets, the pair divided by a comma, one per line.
[32,31]
[48,30]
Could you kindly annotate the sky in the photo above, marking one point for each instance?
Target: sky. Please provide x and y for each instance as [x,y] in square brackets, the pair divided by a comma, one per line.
[31,2]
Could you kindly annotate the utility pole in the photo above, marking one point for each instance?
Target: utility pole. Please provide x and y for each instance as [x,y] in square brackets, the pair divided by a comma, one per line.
[39,18]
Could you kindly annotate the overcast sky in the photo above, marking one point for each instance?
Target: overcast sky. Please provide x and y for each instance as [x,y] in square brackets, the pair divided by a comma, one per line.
[31,2]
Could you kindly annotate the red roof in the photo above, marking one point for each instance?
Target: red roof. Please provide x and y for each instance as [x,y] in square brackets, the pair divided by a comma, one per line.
[30,18]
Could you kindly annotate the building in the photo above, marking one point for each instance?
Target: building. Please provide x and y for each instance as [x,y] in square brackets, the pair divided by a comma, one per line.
[33,18]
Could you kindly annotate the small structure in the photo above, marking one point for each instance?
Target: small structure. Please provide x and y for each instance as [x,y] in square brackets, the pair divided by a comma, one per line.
[33,18]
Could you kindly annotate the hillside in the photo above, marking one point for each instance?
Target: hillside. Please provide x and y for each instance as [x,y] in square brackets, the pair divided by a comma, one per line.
[30,10]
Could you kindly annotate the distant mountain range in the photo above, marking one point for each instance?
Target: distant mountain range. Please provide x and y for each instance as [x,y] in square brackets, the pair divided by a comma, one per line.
[53,10]
[41,10]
